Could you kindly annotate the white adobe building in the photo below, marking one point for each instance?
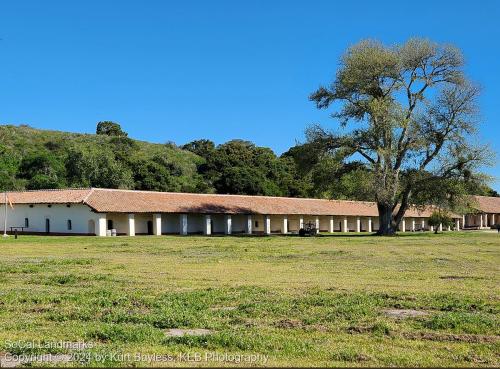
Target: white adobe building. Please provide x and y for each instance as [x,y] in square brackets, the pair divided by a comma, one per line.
[486,214]
[97,211]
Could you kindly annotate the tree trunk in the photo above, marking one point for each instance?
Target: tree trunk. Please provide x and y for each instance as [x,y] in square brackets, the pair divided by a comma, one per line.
[386,225]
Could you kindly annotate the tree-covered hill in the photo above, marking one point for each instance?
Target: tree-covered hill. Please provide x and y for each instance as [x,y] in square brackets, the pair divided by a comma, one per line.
[34,159]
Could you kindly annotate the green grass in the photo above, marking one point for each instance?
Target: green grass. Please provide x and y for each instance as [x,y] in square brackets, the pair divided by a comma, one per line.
[300,301]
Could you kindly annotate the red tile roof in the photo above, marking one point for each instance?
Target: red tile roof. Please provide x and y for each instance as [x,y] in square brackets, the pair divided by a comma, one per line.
[486,204]
[130,201]
[66,196]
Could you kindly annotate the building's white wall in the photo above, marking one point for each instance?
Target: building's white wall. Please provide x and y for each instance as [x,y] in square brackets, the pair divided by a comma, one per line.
[258,223]
[239,222]
[119,220]
[337,223]
[80,215]
[58,215]
[195,223]
[141,223]
[293,223]
[276,223]
[170,223]
[218,223]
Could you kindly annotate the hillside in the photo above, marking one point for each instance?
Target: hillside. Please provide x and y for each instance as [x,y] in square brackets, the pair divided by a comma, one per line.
[32,158]
[35,159]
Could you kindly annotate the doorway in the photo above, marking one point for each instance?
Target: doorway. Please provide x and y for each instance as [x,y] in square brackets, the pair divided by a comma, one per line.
[47,225]
[150,227]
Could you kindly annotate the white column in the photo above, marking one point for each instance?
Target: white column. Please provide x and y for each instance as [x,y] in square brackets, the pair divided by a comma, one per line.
[458,225]
[228,226]
[157,224]
[317,224]
[301,222]
[423,224]
[284,227]
[345,225]
[358,224]
[331,226]
[267,224]
[441,228]
[493,219]
[481,220]
[207,227]
[101,226]
[449,228]
[183,223]
[431,228]
[131,225]
[402,225]
[249,225]
[370,225]
[413,225]
[463,221]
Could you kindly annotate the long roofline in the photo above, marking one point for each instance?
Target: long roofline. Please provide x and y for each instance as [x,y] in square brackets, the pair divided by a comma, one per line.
[139,201]
[224,194]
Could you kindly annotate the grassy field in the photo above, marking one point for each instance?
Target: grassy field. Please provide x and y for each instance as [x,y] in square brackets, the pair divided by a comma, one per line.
[293,301]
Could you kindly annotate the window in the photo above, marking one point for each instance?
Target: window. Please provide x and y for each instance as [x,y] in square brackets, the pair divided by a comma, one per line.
[256,224]
[26,222]
[70,226]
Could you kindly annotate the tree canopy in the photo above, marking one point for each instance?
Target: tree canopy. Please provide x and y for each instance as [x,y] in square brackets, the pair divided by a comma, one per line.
[409,113]
[109,128]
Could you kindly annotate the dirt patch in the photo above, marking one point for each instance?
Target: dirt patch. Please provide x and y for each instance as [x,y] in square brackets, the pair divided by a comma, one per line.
[12,361]
[453,277]
[404,313]
[297,324]
[448,337]
[358,330]
[177,332]
[289,324]
[38,310]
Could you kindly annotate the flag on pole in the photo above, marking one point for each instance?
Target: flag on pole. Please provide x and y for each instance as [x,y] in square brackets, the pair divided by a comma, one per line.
[10,202]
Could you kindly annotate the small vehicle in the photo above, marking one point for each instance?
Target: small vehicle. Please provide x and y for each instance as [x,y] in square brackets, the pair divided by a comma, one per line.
[309,229]
[496,226]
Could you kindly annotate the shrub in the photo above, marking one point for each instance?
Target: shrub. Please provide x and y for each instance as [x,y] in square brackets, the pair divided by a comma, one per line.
[438,218]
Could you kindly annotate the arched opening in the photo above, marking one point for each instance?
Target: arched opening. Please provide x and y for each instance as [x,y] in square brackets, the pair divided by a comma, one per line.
[47,225]
[92,227]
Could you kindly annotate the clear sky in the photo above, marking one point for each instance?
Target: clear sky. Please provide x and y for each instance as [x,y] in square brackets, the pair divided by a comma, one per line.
[182,70]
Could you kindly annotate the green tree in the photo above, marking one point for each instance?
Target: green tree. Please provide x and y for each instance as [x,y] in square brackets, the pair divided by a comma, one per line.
[440,218]
[9,167]
[409,112]
[42,170]
[241,167]
[96,168]
[203,147]
[109,128]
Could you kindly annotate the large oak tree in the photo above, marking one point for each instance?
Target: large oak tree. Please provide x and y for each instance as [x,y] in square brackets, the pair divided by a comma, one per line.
[410,112]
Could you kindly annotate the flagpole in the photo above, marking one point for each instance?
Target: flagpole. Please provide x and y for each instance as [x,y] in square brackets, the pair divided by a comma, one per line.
[5,218]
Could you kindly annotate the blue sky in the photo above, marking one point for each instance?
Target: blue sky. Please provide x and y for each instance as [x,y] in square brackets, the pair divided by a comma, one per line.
[182,70]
